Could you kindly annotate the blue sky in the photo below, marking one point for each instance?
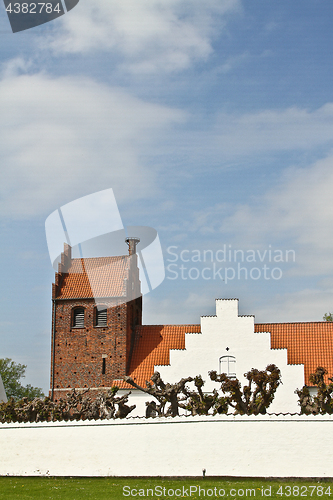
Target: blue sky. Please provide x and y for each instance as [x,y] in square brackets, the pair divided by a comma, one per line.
[212,122]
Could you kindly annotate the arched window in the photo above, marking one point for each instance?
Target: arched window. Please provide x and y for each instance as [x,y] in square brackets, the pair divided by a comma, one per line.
[78,317]
[101,315]
[227,364]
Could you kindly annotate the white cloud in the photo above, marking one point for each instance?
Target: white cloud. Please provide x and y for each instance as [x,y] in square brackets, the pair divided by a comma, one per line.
[63,138]
[298,212]
[150,35]
[274,130]
[250,139]
[309,304]
[177,310]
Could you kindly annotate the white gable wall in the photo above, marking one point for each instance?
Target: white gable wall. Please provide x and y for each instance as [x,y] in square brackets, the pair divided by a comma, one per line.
[251,350]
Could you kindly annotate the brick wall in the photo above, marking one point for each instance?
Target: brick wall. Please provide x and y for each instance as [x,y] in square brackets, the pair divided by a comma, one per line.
[92,356]
[79,352]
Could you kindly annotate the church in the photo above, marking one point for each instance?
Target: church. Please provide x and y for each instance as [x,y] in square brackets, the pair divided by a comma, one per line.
[98,337]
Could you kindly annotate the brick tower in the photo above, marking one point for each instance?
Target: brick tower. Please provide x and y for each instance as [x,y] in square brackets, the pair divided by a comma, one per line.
[97,305]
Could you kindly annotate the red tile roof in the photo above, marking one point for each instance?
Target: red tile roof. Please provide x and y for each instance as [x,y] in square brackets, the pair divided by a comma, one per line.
[310,344]
[95,277]
[152,348]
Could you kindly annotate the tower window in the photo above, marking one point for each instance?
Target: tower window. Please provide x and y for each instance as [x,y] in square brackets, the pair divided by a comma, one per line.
[101,316]
[78,317]
[227,364]
[103,366]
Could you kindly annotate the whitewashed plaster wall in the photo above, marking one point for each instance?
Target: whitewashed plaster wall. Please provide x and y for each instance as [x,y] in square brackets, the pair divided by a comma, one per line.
[265,446]
[252,350]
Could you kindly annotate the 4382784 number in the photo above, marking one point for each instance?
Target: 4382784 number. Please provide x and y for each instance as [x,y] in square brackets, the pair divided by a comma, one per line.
[304,491]
[32,8]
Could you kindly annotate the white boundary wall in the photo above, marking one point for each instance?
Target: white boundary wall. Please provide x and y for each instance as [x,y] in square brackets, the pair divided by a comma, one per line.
[266,446]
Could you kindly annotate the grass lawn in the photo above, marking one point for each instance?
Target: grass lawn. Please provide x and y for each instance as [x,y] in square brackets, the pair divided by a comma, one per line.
[45,488]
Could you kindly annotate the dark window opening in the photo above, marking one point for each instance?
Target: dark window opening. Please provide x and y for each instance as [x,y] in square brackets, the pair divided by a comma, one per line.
[101,316]
[103,366]
[78,317]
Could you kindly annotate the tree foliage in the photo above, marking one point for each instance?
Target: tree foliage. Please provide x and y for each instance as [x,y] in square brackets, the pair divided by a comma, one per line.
[75,406]
[254,398]
[164,393]
[328,317]
[200,403]
[322,402]
[11,373]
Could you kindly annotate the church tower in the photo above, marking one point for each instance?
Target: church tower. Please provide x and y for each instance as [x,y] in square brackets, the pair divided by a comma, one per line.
[97,305]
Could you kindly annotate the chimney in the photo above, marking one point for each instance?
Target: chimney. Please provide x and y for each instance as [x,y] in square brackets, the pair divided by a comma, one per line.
[132,243]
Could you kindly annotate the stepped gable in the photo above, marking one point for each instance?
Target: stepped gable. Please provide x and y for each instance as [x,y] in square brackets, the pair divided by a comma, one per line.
[308,343]
[152,346]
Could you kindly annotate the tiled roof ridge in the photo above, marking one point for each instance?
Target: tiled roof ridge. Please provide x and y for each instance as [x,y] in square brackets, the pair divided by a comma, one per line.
[99,258]
[183,325]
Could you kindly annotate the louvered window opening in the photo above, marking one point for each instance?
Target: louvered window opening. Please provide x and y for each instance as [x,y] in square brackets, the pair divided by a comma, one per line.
[78,319]
[101,317]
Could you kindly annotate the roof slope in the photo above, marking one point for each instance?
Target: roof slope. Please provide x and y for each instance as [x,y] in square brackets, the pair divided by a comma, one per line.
[310,344]
[95,277]
[152,346]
